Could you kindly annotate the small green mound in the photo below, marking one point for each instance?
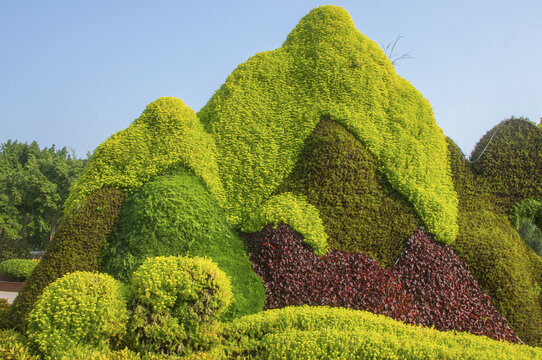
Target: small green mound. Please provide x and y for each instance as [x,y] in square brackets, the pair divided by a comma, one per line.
[336,333]
[176,215]
[81,308]
[176,303]
[359,208]
[167,133]
[270,104]
[509,158]
[77,246]
[295,211]
[504,266]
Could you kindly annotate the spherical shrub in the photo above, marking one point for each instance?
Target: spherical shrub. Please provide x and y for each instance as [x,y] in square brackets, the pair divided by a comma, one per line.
[176,302]
[17,269]
[81,308]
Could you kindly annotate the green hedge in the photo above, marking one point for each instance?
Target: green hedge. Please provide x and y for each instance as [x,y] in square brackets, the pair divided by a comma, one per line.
[510,164]
[295,211]
[527,219]
[176,215]
[167,133]
[17,269]
[76,246]
[270,104]
[79,309]
[359,208]
[505,267]
[335,333]
[14,346]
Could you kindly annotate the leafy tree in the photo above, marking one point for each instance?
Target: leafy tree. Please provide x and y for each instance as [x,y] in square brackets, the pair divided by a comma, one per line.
[34,183]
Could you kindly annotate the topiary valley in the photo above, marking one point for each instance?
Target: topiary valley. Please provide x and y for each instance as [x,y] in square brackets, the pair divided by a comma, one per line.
[312,209]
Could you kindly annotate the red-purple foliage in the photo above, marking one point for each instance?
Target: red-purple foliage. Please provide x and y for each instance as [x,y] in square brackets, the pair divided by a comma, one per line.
[428,285]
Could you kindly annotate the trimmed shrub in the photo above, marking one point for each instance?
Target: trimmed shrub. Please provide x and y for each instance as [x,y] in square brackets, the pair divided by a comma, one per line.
[269,105]
[429,285]
[176,302]
[335,333]
[81,308]
[17,269]
[296,212]
[510,164]
[359,208]
[176,215]
[527,219]
[504,266]
[167,133]
[14,346]
[4,305]
[76,246]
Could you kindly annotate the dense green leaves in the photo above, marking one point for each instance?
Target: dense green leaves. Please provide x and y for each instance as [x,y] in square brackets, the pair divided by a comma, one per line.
[262,115]
[17,269]
[176,215]
[34,183]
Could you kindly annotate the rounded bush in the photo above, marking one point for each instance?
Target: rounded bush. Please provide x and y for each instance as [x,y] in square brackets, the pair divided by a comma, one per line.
[13,346]
[176,302]
[79,309]
[17,269]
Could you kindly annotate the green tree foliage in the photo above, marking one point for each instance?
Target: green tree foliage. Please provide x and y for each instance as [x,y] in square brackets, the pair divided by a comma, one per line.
[527,219]
[174,214]
[270,104]
[359,208]
[504,266]
[77,246]
[34,183]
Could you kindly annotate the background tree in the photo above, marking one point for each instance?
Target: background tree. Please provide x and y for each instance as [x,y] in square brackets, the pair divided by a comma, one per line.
[34,183]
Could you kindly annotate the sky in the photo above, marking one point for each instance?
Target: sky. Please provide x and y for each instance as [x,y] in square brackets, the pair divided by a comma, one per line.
[74,72]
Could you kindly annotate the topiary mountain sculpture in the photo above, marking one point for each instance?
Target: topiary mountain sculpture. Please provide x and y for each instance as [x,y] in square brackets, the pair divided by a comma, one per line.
[320,133]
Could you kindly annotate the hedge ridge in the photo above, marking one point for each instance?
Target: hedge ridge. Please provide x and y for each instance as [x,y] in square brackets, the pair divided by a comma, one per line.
[267,107]
[500,260]
[167,133]
[76,246]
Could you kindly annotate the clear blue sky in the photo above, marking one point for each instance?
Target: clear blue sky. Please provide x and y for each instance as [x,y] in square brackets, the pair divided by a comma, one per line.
[74,72]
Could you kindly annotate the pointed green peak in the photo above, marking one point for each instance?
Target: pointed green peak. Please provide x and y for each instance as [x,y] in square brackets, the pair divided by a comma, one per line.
[320,24]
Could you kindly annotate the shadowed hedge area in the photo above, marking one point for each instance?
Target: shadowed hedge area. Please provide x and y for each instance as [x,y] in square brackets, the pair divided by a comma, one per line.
[76,246]
[358,206]
[512,162]
[506,268]
[174,214]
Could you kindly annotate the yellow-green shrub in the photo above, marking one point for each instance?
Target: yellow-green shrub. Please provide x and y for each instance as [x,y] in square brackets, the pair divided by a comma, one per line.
[17,269]
[13,346]
[295,211]
[167,133]
[79,309]
[176,303]
[269,105]
[337,333]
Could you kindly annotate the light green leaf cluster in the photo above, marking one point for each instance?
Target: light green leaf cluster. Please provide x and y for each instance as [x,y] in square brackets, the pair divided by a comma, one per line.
[337,333]
[17,269]
[81,308]
[295,211]
[267,107]
[167,133]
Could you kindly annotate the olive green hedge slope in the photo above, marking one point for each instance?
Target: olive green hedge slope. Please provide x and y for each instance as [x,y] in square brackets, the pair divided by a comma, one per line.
[270,104]
[337,333]
[76,246]
[167,133]
[359,208]
[505,267]
[176,215]
[511,162]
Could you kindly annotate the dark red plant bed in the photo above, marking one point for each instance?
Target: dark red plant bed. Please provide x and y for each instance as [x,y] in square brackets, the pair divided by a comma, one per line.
[11,285]
[428,285]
